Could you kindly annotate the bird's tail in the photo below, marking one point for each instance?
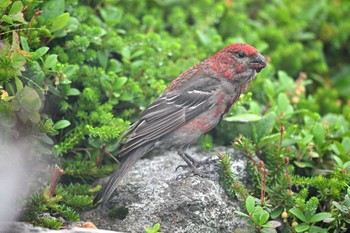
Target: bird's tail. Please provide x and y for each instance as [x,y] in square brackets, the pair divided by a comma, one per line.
[125,165]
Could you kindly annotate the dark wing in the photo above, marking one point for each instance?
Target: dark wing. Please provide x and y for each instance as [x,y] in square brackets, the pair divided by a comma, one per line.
[171,111]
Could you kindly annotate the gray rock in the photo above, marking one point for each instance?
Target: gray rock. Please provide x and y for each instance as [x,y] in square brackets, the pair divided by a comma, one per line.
[152,194]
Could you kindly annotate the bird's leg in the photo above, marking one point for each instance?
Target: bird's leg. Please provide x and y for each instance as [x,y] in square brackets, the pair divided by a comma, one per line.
[194,165]
[194,169]
[200,163]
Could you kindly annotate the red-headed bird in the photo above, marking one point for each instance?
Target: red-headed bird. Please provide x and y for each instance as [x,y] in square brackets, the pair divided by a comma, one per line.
[192,104]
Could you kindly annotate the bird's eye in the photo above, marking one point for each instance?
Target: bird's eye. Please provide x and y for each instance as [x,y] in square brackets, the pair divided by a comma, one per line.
[241,55]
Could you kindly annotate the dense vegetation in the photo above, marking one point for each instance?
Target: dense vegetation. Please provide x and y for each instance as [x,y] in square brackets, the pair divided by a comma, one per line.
[74,74]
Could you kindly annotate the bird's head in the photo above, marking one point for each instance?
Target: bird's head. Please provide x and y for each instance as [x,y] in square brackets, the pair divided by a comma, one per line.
[243,59]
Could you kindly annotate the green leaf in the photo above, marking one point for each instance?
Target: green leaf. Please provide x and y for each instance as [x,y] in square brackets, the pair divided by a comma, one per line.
[120,82]
[39,53]
[4,3]
[316,229]
[241,213]
[24,44]
[338,161]
[19,84]
[51,61]
[298,213]
[268,230]
[265,124]
[302,164]
[53,8]
[18,17]
[6,19]
[264,217]
[276,212]
[102,57]
[319,217]
[250,204]
[301,227]
[61,124]
[127,96]
[16,8]
[319,134]
[73,92]
[282,102]
[156,227]
[346,165]
[243,118]
[59,22]
[346,144]
[18,60]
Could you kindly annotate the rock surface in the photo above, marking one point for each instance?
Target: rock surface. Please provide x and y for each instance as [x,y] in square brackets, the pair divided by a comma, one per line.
[152,194]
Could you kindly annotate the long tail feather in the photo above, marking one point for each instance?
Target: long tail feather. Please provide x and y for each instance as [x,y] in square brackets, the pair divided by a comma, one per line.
[125,165]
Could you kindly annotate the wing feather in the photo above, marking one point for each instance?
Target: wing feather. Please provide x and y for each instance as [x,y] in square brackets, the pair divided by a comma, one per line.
[171,111]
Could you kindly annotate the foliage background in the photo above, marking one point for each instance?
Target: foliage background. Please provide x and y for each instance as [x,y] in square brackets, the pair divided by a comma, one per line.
[74,74]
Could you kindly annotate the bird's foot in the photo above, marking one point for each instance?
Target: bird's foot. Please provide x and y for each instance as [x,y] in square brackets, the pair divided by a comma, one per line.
[196,172]
[204,168]
[207,163]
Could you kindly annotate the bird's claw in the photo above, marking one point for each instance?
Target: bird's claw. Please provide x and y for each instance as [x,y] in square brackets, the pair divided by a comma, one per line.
[181,166]
[205,174]
[194,169]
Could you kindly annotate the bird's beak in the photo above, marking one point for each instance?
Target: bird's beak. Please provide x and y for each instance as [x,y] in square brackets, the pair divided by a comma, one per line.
[258,62]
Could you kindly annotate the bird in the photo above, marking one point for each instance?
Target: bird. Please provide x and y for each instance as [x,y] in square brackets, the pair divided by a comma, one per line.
[193,103]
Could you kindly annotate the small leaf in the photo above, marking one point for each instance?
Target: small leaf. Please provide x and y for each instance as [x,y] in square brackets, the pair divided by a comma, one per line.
[264,217]
[19,84]
[268,230]
[341,208]
[276,212]
[319,134]
[274,224]
[241,213]
[346,165]
[298,213]
[302,164]
[51,61]
[319,217]
[16,8]
[346,144]
[156,227]
[73,92]
[6,19]
[4,3]
[301,227]
[120,82]
[24,44]
[282,102]
[250,204]
[328,220]
[59,22]
[316,229]
[61,124]
[127,96]
[338,161]
[243,118]
[53,8]
[39,53]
